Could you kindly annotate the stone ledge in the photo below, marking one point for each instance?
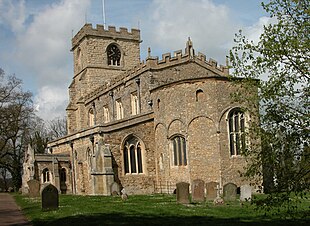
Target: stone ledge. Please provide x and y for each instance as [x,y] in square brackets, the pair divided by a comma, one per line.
[101,129]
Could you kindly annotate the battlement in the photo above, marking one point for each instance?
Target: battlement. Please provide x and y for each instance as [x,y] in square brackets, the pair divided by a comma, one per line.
[111,32]
[154,63]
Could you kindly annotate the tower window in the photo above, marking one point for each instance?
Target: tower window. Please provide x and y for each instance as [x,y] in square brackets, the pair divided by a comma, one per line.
[114,55]
[236,124]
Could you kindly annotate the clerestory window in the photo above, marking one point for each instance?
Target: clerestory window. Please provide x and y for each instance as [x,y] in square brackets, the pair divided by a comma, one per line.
[134,104]
[119,110]
[236,126]
[91,117]
[106,114]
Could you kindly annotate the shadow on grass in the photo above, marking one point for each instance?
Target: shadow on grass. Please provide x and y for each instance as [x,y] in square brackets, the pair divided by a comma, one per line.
[119,219]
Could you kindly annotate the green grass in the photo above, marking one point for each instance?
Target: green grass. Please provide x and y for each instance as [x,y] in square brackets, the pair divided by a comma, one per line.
[150,210]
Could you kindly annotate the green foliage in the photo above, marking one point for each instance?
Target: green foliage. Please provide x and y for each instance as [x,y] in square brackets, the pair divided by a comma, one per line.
[281,60]
[150,210]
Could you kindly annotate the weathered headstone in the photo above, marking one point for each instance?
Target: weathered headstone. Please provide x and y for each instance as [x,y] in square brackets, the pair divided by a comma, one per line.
[198,191]
[50,199]
[183,192]
[115,189]
[245,193]
[34,188]
[230,192]
[124,195]
[211,190]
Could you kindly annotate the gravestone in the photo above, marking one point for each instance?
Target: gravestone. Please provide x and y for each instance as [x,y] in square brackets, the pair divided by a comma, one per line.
[124,195]
[115,189]
[198,191]
[211,190]
[50,199]
[230,192]
[245,193]
[34,188]
[183,193]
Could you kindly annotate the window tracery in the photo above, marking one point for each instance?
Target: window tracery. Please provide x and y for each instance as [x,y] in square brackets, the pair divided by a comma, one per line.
[236,126]
[133,156]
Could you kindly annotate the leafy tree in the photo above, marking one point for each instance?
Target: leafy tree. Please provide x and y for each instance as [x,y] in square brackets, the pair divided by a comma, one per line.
[281,60]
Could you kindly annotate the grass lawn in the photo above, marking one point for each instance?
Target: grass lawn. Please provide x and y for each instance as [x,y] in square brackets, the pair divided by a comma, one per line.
[150,210]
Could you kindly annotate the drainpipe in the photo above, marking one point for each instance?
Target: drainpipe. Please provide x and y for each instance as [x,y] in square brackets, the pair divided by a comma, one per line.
[112,100]
[73,169]
[138,93]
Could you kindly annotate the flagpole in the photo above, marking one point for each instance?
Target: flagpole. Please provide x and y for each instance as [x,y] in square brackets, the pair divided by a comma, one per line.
[103,13]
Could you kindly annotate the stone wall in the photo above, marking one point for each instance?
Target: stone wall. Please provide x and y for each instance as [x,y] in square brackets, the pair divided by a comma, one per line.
[181,95]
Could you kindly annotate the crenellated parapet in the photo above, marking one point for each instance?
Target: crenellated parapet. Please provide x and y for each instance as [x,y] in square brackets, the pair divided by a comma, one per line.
[100,31]
[154,63]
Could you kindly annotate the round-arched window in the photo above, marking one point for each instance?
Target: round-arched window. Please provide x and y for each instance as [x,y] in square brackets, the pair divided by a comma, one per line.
[114,55]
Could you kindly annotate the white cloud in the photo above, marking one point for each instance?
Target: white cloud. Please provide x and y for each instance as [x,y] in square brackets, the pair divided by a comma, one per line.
[43,39]
[208,24]
[254,31]
[13,14]
[51,102]
[43,48]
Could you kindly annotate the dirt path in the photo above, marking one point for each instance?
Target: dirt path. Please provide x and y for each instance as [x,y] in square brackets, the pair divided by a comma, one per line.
[10,213]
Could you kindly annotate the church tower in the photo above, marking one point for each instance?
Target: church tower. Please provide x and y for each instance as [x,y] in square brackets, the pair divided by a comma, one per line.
[99,56]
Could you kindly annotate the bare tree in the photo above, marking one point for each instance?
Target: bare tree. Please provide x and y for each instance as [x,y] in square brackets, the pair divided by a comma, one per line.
[57,128]
[16,112]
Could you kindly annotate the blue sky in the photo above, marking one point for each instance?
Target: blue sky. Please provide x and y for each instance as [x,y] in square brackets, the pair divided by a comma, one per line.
[35,35]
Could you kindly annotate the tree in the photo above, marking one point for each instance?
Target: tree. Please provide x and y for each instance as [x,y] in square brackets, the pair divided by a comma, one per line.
[281,57]
[45,131]
[16,112]
[57,128]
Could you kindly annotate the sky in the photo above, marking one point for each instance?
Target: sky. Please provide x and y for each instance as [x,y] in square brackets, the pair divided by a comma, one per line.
[35,35]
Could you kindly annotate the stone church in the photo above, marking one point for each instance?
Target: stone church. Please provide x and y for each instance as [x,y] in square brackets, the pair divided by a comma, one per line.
[142,125]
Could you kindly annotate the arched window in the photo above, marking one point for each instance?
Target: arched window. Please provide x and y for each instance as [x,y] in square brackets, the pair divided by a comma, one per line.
[199,95]
[63,175]
[46,175]
[119,110]
[134,104]
[236,126]
[106,114]
[158,103]
[91,117]
[179,151]
[133,155]
[114,55]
